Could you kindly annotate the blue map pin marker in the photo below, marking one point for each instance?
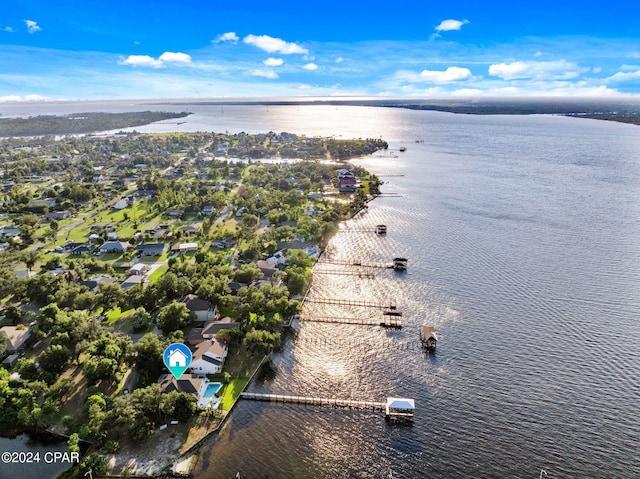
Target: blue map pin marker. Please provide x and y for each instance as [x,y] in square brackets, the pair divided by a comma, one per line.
[177,357]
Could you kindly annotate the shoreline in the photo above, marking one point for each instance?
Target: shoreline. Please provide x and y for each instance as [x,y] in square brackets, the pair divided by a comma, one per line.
[185,463]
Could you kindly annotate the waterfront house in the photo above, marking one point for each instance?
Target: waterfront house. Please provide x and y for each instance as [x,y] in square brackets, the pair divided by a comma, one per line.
[187,383]
[208,357]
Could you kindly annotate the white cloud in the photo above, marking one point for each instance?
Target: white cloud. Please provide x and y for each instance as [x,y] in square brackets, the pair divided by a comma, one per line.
[273,62]
[448,25]
[264,73]
[537,54]
[32,27]
[339,60]
[8,29]
[140,61]
[310,66]
[622,77]
[597,69]
[450,75]
[160,62]
[558,70]
[274,45]
[175,57]
[227,37]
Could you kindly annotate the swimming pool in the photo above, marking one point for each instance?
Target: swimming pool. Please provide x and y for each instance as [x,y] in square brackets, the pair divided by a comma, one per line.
[212,389]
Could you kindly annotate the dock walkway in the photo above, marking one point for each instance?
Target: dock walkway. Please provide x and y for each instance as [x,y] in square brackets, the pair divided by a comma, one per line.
[350,302]
[315,401]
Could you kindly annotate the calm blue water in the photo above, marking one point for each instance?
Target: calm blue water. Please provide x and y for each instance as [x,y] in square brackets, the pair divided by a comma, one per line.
[522,235]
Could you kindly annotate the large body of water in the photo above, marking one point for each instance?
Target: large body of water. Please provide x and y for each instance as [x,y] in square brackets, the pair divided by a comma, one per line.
[523,239]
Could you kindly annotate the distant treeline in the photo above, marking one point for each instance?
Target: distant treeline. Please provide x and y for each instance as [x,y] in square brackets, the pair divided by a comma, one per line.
[80,122]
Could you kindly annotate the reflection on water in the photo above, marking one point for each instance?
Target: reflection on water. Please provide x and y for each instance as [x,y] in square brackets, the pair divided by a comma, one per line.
[511,257]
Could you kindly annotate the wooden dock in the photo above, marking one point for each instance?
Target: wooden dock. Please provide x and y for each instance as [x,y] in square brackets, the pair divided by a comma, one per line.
[356,262]
[387,321]
[359,274]
[350,302]
[316,401]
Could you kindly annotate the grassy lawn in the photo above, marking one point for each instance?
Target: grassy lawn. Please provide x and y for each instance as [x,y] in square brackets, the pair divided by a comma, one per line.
[230,393]
[116,315]
[157,274]
[241,363]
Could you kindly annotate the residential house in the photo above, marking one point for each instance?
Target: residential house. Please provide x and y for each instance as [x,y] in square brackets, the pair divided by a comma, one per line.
[174,213]
[208,210]
[9,232]
[346,181]
[267,268]
[121,204]
[187,383]
[151,249]
[114,247]
[223,244]
[48,202]
[184,247]
[277,258]
[138,269]
[214,327]
[112,235]
[57,215]
[131,281]
[82,249]
[15,338]
[208,357]
[203,309]
[190,229]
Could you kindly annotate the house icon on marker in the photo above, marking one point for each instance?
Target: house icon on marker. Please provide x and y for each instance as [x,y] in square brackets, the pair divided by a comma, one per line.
[177,359]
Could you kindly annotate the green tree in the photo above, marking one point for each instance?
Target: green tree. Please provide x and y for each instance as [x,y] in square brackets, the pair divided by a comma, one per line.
[174,316]
[54,358]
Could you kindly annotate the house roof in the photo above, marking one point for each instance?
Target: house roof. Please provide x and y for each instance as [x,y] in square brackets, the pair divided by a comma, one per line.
[156,249]
[194,303]
[114,245]
[400,403]
[187,383]
[214,347]
[16,337]
[429,332]
[215,326]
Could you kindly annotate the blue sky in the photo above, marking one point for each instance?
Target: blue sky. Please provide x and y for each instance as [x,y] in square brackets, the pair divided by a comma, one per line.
[201,49]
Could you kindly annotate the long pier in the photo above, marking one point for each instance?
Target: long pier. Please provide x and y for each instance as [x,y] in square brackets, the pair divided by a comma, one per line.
[387,321]
[317,401]
[350,302]
[359,274]
[355,262]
